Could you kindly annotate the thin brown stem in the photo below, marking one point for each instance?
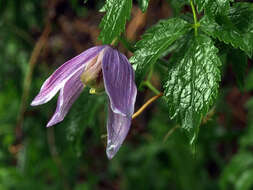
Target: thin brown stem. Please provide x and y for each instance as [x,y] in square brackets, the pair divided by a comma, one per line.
[169,133]
[154,98]
[28,78]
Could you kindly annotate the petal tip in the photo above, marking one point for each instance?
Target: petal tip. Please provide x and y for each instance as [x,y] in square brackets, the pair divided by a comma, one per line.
[34,103]
[54,121]
[49,124]
[111,151]
[38,100]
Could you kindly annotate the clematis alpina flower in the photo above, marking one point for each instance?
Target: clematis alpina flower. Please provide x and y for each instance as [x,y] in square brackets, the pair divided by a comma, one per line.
[100,68]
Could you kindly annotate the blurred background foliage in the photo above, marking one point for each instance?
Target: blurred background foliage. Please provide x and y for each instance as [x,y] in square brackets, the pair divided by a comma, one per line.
[71,155]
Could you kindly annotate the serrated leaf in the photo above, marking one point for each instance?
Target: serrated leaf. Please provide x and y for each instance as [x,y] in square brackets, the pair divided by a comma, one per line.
[154,42]
[217,7]
[192,83]
[236,30]
[200,4]
[114,21]
[143,4]
[212,7]
[238,60]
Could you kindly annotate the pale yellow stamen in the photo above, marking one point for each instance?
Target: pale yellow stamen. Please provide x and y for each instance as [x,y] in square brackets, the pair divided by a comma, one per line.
[92,91]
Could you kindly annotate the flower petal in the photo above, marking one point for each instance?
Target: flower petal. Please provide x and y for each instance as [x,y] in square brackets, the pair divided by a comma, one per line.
[117,129]
[57,80]
[68,94]
[119,82]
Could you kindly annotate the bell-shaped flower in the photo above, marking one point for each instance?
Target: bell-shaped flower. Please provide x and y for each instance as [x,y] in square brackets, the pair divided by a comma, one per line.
[100,68]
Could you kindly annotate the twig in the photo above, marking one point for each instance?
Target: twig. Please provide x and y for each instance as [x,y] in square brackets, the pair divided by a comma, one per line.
[154,98]
[169,133]
[28,78]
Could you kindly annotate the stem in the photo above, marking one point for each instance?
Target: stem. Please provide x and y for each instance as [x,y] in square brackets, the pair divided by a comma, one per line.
[114,42]
[28,78]
[163,62]
[154,98]
[150,73]
[151,87]
[126,43]
[196,24]
[169,133]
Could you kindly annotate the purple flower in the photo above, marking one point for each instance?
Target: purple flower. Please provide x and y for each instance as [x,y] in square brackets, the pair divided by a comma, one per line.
[100,68]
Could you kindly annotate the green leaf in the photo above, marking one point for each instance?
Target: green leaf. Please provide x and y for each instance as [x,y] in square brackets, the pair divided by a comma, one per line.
[200,4]
[236,29]
[114,21]
[239,172]
[143,4]
[154,42]
[241,15]
[192,83]
[212,7]
[245,182]
[239,62]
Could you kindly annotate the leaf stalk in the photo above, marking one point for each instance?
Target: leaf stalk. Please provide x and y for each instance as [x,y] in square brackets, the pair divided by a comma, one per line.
[196,23]
[151,87]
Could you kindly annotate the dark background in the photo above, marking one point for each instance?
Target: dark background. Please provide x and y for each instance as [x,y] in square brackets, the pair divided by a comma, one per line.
[37,36]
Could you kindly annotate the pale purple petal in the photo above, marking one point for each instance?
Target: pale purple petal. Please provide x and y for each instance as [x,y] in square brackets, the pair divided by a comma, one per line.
[68,94]
[117,129]
[57,80]
[119,82]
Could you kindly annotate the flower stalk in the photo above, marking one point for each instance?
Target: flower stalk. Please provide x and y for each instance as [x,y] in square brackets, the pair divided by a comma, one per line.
[154,98]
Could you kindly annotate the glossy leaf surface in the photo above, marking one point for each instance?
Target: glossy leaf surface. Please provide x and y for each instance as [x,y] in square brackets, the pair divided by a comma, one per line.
[154,42]
[143,4]
[236,29]
[192,83]
[114,21]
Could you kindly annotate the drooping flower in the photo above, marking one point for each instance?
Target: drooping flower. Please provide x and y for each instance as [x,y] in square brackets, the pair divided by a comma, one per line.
[100,68]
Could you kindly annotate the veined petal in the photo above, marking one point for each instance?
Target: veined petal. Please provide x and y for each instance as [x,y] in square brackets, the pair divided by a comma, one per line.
[58,79]
[117,129]
[119,82]
[68,94]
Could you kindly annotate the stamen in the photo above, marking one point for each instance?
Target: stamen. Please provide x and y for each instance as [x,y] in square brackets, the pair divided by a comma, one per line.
[154,98]
[92,91]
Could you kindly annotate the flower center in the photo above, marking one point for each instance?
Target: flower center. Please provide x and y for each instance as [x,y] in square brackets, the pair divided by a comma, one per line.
[93,76]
